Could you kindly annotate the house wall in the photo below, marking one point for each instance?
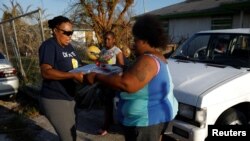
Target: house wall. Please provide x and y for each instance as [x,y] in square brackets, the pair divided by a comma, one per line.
[245,23]
[184,28]
[84,36]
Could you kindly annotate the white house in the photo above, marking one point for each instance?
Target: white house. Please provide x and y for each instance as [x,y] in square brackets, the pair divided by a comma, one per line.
[183,19]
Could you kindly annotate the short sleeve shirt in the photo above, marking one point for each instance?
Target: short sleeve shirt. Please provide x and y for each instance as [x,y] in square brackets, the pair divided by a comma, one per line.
[110,54]
[62,59]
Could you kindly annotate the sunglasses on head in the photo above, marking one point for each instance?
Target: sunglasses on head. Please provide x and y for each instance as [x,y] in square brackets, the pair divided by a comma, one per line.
[68,33]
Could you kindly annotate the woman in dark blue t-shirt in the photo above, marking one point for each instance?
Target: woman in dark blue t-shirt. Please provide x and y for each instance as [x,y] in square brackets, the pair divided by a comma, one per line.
[57,57]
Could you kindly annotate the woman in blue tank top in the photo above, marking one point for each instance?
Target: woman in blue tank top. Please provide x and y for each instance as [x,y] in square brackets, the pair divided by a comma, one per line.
[146,102]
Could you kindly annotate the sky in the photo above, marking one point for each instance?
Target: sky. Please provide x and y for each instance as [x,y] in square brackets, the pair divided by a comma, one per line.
[58,7]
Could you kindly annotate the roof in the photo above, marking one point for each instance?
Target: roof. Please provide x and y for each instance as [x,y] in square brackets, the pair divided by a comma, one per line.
[232,31]
[202,6]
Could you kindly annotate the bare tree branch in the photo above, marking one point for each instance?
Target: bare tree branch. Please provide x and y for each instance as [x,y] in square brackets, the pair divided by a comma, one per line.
[103,16]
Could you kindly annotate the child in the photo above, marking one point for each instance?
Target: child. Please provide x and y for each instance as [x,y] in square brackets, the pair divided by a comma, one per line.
[112,55]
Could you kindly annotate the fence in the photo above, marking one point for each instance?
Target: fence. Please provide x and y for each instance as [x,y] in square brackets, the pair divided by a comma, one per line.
[19,41]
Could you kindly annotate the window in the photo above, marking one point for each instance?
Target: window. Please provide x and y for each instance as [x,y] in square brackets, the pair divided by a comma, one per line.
[226,49]
[224,22]
[197,46]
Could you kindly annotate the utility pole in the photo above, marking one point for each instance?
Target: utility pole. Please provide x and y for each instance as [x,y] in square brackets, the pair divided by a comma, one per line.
[144,7]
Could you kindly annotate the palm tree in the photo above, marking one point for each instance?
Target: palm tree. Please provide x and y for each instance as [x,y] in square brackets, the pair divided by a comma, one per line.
[14,10]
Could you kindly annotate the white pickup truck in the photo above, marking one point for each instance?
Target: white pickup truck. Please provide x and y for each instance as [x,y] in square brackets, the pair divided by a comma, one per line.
[211,75]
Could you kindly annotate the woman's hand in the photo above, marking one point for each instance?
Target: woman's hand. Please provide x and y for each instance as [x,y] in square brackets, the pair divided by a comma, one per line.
[90,78]
[79,76]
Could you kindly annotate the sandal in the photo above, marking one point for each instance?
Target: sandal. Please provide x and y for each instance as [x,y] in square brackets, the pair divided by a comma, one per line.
[102,132]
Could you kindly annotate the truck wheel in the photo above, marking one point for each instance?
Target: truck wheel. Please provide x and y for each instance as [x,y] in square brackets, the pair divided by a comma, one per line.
[232,117]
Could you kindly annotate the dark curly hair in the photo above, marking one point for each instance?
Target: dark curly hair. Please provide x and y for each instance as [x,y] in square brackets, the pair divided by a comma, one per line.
[56,21]
[150,29]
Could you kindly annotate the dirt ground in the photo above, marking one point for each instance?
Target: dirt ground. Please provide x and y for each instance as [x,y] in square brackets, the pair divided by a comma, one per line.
[88,123]
[38,128]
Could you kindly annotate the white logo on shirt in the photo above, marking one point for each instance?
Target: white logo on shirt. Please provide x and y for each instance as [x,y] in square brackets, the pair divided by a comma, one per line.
[66,54]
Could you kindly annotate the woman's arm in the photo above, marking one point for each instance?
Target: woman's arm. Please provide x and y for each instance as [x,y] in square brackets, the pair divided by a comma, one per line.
[48,72]
[131,80]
